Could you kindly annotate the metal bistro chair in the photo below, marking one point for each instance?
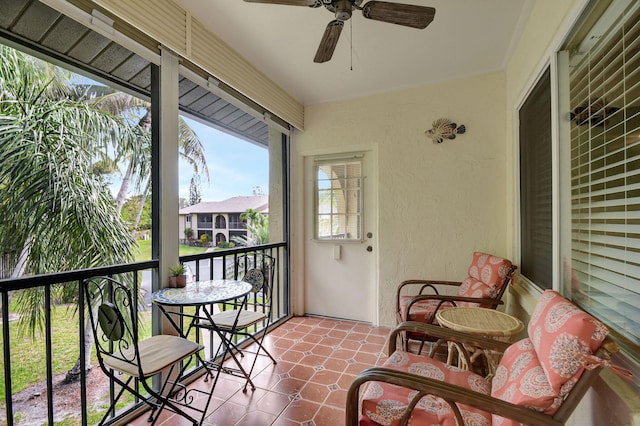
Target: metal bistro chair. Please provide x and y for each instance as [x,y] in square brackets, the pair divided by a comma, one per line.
[258,269]
[124,358]
[488,277]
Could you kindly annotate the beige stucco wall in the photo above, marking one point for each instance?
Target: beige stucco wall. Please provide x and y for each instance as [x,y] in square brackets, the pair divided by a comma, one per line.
[437,202]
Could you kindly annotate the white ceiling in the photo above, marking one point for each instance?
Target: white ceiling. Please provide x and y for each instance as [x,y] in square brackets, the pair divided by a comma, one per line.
[467,37]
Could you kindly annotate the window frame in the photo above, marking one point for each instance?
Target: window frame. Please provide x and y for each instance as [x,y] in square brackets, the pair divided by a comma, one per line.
[345,216]
[528,267]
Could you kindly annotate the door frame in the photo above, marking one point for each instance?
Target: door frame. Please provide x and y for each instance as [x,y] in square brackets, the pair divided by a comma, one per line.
[370,218]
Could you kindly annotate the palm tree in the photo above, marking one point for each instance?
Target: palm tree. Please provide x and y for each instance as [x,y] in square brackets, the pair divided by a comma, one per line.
[257,228]
[138,155]
[54,211]
[190,149]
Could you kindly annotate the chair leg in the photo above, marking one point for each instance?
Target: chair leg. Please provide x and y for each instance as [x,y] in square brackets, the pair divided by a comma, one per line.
[112,409]
[260,347]
[236,348]
[166,393]
[125,386]
[209,374]
[226,347]
[421,346]
[264,349]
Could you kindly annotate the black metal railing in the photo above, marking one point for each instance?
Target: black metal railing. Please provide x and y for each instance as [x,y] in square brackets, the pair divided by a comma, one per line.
[211,265]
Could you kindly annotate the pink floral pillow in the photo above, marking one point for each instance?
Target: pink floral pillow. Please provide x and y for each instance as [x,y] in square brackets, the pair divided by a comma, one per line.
[521,380]
[489,269]
[562,335]
[486,275]
[474,288]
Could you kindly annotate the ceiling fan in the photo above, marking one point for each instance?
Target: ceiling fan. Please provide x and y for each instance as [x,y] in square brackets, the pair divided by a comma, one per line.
[394,13]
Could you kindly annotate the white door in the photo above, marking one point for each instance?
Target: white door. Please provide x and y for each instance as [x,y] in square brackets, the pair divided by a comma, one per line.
[340,239]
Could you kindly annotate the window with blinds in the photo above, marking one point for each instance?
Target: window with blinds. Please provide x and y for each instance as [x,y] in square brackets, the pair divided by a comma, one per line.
[339,199]
[602,250]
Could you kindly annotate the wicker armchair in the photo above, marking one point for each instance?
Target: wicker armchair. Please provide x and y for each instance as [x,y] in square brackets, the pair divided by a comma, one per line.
[539,381]
[488,278]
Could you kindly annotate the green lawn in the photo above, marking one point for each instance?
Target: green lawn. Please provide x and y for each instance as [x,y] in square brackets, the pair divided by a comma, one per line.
[144,250]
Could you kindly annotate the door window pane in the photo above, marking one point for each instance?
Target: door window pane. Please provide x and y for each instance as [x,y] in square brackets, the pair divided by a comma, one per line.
[339,199]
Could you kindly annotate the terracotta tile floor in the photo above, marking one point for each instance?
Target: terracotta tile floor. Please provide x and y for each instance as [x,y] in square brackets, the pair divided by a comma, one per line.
[317,360]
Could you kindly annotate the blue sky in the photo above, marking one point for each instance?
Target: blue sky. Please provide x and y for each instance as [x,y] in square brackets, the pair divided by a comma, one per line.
[235,166]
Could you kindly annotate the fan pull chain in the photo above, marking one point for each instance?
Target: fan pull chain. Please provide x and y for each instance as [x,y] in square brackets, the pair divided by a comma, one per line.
[351,41]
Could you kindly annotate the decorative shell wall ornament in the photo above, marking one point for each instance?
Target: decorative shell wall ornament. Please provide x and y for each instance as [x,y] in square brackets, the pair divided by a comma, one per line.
[443,128]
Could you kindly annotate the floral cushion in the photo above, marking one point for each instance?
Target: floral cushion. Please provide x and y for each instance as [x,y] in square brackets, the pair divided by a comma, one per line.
[491,270]
[562,334]
[520,379]
[474,288]
[488,270]
[421,311]
[384,404]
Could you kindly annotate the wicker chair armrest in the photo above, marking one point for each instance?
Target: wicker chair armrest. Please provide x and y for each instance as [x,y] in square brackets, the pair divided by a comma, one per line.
[428,283]
[483,301]
[444,335]
[424,284]
[447,301]
[451,393]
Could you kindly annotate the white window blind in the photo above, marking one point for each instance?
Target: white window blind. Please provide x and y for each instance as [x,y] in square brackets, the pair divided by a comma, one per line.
[604,98]
[339,199]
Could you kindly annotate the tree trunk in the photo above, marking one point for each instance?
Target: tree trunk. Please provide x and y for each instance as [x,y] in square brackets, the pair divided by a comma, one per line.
[19,269]
[143,199]
[73,375]
[21,263]
[124,187]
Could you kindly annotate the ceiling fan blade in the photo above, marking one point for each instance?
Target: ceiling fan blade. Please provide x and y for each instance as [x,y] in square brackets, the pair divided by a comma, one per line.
[285,2]
[402,14]
[329,41]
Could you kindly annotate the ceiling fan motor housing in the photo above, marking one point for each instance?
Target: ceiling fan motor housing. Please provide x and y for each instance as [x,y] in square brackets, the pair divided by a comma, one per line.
[342,8]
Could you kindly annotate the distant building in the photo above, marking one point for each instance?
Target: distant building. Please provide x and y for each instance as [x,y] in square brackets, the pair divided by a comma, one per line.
[220,219]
